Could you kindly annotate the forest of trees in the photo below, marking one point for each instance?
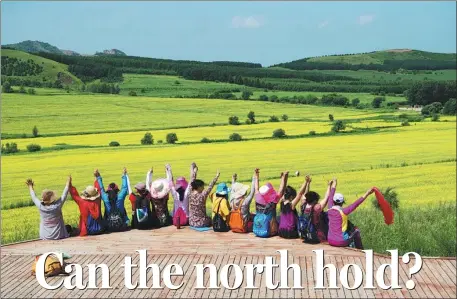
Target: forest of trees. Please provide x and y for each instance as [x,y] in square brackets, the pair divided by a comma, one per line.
[387,66]
[109,69]
[424,93]
[12,66]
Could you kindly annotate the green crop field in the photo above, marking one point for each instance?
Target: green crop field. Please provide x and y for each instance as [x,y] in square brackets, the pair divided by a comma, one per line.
[62,114]
[170,86]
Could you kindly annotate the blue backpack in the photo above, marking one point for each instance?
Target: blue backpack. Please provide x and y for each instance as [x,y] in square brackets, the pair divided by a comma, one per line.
[261,225]
[306,228]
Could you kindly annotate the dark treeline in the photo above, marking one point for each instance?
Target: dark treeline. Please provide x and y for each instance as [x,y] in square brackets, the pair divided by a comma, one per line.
[388,66]
[18,81]
[89,71]
[210,71]
[12,66]
[110,69]
[424,93]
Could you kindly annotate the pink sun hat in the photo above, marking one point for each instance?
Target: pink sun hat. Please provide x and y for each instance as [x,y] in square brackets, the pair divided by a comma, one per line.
[266,195]
[181,183]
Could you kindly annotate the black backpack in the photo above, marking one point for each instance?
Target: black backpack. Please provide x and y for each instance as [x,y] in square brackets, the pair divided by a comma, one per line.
[306,228]
[219,224]
[114,219]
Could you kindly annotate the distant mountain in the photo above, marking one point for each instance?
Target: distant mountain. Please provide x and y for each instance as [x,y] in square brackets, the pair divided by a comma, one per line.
[114,52]
[70,53]
[35,47]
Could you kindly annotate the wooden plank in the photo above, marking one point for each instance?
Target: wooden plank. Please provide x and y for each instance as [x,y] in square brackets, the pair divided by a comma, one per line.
[198,293]
[191,282]
[192,259]
[445,269]
[9,275]
[441,280]
[179,260]
[257,278]
[248,292]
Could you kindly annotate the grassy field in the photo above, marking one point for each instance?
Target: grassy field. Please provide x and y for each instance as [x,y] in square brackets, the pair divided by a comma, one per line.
[171,86]
[418,160]
[50,67]
[185,135]
[62,114]
[354,152]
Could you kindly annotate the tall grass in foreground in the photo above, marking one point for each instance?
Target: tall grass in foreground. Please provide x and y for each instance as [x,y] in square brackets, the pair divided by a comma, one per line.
[427,230]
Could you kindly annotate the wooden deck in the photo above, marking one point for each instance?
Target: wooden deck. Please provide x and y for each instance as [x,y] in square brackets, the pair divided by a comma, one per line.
[187,247]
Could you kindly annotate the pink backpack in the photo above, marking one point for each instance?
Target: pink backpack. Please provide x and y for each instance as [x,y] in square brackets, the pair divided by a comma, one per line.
[180,217]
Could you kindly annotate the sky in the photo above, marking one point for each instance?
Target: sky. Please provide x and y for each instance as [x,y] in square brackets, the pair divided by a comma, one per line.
[262,32]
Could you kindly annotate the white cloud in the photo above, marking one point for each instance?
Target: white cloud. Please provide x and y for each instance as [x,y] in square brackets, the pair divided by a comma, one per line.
[323,24]
[365,19]
[247,22]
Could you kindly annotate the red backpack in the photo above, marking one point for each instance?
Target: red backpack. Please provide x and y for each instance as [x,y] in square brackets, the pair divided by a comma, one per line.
[180,217]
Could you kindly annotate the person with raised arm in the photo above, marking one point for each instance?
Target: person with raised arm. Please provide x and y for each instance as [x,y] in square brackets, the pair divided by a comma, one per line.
[180,193]
[52,226]
[115,215]
[342,232]
[266,201]
[89,204]
[197,200]
[313,210]
[240,220]
[289,217]
[143,212]
[159,190]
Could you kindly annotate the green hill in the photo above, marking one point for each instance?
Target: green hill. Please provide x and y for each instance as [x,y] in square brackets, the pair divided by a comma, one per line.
[387,60]
[47,70]
[379,57]
[34,47]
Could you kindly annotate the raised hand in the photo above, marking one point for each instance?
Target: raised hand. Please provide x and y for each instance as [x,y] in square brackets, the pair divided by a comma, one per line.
[369,192]
[308,178]
[96,173]
[218,173]
[29,183]
[167,167]
[124,171]
[234,177]
[69,180]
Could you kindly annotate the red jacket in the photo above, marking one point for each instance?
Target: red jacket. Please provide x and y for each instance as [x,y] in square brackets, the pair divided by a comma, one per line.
[86,207]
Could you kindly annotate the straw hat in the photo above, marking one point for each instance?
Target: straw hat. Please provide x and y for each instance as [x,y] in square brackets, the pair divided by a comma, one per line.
[48,197]
[239,190]
[90,193]
[160,188]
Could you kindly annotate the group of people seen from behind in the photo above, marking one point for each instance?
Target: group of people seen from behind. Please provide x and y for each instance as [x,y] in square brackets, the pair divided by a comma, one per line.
[303,214]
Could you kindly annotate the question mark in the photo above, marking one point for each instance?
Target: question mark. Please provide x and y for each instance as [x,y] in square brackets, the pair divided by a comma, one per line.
[416,268]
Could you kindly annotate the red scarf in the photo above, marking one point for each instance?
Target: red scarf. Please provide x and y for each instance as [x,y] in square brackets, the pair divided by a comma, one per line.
[385,207]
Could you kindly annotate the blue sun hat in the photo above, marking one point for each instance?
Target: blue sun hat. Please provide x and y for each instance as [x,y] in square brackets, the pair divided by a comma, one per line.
[222,189]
